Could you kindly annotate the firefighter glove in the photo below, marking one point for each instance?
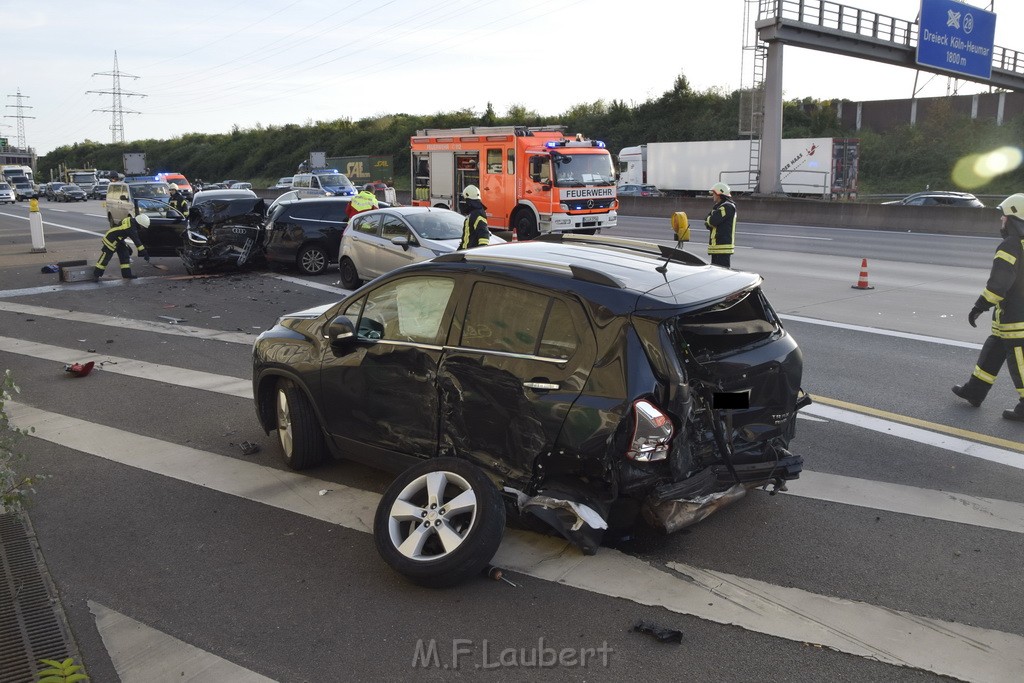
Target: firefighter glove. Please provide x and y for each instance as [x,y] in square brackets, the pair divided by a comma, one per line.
[146,257]
[972,317]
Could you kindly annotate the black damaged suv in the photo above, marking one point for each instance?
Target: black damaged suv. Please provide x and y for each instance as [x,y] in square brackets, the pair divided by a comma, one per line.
[577,379]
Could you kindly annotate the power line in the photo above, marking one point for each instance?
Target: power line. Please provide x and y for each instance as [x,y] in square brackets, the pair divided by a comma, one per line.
[116,109]
[20,117]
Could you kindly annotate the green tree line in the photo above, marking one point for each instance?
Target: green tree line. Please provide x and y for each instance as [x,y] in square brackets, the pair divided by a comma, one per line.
[905,159]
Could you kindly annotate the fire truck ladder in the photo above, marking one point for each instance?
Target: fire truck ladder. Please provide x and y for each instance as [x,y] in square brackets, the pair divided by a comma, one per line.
[751,118]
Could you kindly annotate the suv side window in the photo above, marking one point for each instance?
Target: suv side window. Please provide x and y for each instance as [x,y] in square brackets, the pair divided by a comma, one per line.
[515,320]
[307,210]
[411,309]
[335,212]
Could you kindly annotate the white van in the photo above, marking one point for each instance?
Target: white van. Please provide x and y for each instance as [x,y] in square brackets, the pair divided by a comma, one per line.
[123,198]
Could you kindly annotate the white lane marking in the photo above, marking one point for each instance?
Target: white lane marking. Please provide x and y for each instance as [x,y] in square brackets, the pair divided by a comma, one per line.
[909,500]
[788,237]
[307,283]
[860,231]
[876,330]
[878,633]
[815,411]
[130,324]
[58,225]
[919,435]
[168,374]
[138,651]
[891,636]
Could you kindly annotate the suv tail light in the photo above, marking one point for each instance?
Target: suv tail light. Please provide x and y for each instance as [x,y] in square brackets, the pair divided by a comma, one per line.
[652,431]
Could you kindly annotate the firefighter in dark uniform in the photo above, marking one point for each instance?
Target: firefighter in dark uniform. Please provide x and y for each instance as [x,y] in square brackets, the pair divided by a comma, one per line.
[113,242]
[178,201]
[721,222]
[474,229]
[1005,291]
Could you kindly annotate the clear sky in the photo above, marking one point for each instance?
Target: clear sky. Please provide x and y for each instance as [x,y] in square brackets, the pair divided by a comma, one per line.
[208,66]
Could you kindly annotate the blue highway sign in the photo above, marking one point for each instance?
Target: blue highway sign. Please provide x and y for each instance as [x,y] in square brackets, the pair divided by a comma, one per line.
[957,37]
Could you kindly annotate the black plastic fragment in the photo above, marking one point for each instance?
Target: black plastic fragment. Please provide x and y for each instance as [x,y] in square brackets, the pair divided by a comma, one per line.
[662,634]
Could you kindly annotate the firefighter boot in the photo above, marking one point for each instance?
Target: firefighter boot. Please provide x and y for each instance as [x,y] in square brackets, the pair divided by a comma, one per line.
[974,391]
[96,274]
[128,275]
[1017,414]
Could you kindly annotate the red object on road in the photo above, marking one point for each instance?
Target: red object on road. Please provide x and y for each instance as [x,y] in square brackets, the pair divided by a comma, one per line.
[79,369]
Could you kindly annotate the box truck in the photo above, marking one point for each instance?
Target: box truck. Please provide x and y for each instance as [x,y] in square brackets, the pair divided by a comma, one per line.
[811,167]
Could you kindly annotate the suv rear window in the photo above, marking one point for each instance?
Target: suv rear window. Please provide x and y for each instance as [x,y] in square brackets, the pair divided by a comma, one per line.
[742,320]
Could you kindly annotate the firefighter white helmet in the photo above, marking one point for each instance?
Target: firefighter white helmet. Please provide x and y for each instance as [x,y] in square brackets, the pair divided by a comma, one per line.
[143,220]
[173,188]
[1013,206]
[471,192]
[721,188]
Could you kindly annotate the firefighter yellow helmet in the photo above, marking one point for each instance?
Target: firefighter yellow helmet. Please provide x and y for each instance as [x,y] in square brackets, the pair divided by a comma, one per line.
[173,188]
[143,220]
[471,192]
[1013,206]
[721,188]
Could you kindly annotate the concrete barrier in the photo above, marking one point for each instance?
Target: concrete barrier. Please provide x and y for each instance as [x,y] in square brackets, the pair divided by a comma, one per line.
[925,219]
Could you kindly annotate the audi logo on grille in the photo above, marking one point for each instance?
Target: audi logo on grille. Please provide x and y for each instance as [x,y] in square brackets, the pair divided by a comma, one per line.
[590,203]
[239,231]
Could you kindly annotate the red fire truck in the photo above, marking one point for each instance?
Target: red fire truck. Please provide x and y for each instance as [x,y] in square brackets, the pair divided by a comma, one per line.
[531,180]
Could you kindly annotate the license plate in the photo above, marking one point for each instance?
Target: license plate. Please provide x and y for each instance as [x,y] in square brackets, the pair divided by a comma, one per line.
[589,221]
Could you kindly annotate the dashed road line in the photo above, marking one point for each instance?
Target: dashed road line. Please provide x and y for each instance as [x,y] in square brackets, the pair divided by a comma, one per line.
[876,632]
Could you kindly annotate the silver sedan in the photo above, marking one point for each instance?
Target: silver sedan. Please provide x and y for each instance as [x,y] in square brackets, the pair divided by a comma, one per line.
[377,242]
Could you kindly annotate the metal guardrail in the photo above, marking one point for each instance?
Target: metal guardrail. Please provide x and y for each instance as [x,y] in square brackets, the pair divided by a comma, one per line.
[871,25]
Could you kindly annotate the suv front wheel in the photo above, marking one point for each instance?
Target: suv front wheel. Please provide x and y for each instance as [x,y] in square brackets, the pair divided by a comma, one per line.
[440,522]
[312,259]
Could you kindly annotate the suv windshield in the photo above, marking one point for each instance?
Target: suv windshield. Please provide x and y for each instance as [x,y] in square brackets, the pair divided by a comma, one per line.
[581,170]
[436,225]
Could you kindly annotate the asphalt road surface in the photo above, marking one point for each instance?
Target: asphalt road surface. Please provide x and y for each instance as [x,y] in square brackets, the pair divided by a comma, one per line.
[896,556]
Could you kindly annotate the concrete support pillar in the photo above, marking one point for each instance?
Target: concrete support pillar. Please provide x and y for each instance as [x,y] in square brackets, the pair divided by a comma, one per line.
[771,137]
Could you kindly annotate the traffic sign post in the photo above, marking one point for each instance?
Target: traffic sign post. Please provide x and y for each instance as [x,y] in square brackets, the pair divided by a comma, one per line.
[956,37]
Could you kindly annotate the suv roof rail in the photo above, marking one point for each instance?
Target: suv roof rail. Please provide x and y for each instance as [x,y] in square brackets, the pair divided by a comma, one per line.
[652,248]
[576,272]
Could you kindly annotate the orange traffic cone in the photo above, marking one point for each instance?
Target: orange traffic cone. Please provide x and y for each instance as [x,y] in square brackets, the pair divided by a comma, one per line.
[862,283]
[515,235]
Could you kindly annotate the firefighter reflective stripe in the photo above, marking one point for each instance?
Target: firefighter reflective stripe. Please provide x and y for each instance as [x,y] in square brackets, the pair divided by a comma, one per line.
[721,222]
[1018,372]
[475,232]
[120,232]
[1009,258]
[991,297]
[984,376]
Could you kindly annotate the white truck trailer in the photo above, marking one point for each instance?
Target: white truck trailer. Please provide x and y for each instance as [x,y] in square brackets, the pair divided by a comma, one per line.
[811,167]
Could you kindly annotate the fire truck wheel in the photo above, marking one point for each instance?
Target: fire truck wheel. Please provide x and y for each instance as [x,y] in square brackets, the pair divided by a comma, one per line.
[526,225]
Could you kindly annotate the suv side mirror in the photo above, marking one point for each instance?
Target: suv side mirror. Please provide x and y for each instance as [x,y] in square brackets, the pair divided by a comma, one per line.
[340,330]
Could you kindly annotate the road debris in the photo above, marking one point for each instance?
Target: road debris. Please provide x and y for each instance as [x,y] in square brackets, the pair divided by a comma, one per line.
[497,574]
[79,369]
[248,447]
[664,635]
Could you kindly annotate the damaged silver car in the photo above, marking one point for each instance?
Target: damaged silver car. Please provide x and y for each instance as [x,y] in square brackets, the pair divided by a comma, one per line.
[578,380]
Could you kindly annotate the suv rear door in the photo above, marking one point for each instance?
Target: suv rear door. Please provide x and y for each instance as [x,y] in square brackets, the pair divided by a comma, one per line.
[518,358]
